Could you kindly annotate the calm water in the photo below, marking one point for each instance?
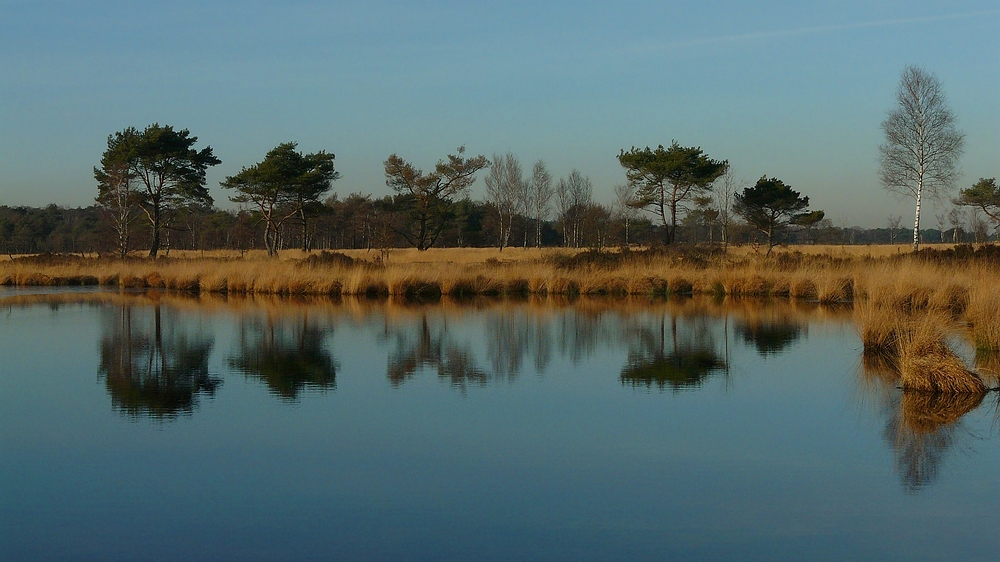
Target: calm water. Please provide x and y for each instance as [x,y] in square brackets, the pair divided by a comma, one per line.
[158,427]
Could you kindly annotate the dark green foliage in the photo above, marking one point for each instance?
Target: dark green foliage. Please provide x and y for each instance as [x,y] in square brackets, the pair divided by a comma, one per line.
[665,177]
[984,195]
[28,230]
[161,171]
[286,183]
[770,205]
[429,198]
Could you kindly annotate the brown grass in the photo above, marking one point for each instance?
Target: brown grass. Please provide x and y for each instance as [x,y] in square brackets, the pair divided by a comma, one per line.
[889,289]
[927,364]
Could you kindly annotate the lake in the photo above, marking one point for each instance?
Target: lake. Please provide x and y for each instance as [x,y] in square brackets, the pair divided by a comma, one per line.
[153,426]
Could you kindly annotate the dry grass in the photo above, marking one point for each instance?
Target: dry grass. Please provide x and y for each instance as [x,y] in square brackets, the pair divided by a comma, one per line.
[927,364]
[905,306]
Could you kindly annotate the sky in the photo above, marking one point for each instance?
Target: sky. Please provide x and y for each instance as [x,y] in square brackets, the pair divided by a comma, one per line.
[793,90]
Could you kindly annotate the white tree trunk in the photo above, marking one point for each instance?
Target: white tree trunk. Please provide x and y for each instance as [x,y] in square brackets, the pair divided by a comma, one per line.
[916,219]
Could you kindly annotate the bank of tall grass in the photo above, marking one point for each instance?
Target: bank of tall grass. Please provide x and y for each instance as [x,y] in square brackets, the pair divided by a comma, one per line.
[906,305]
[936,279]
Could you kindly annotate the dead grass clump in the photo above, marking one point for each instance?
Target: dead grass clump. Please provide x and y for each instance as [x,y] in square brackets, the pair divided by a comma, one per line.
[913,299]
[838,290]
[183,283]
[374,289]
[517,286]
[709,286]
[983,314]
[237,284]
[327,259]
[803,289]
[563,286]
[679,286]
[925,413]
[35,279]
[880,328]
[155,281]
[757,286]
[953,299]
[412,288]
[213,284]
[603,285]
[462,288]
[129,281]
[651,285]
[927,364]
[781,288]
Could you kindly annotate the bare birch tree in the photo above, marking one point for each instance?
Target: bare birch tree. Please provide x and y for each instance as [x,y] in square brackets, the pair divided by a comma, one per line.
[940,224]
[922,145]
[894,223]
[625,206]
[564,202]
[574,194]
[503,189]
[956,216]
[117,200]
[724,191]
[541,194]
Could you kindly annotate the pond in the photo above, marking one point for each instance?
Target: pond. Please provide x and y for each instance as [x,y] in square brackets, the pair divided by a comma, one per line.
[156,426]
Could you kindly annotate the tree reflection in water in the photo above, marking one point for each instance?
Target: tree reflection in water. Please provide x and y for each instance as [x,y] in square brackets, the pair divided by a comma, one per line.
[152,365]
[287,353]
[427,346]
[688,360]
[770,337]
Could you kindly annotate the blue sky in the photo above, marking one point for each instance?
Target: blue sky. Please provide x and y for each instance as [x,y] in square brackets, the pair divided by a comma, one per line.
[795,90]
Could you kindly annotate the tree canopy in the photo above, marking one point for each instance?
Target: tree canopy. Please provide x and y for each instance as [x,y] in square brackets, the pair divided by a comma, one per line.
[430,196]
[770,205]
[984,195]
[285,184]
[665,177]
[166,171]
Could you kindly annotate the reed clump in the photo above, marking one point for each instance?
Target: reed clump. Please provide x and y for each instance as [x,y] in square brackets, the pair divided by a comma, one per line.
[927,364]
[983,313]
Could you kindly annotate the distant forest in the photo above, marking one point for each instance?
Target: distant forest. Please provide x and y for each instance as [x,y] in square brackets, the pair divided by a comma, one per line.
[362,222]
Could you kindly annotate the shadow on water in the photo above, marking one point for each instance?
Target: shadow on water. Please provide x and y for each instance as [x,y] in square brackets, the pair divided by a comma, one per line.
[287,353]
[153,365]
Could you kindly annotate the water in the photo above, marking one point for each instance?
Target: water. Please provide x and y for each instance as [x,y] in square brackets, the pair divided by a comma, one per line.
[160,427]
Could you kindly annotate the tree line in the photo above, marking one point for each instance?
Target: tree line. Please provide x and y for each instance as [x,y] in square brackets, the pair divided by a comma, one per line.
[360,222]
[152,195]
[156,176]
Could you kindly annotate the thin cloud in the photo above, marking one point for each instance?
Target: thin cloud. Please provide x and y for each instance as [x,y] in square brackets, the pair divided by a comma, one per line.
[809,31]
